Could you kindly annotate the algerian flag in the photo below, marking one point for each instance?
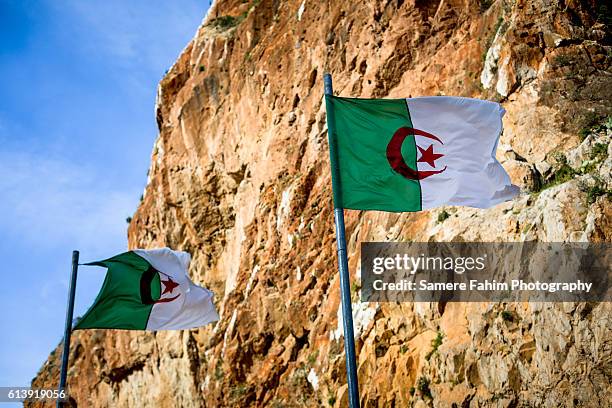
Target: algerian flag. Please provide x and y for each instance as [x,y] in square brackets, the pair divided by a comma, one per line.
[149,290]
[416,153]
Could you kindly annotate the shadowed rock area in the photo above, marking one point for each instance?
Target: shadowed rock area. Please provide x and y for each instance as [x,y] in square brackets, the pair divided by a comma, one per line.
[240,178]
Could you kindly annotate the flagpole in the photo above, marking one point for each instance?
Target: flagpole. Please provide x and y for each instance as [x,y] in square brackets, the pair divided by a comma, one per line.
[68,327]
[345,286]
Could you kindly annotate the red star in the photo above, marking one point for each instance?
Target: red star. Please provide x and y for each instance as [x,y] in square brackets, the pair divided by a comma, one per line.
[169,285]
[428,156]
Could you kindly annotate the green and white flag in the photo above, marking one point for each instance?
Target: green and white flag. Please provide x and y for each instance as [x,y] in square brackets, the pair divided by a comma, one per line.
[416,153]
[149,290]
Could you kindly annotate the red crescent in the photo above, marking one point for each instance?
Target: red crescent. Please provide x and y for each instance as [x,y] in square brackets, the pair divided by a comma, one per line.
[394,154]
[166,300]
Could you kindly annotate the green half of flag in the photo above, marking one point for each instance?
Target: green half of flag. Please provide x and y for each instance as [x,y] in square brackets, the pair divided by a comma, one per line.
[120,303]
[361,132]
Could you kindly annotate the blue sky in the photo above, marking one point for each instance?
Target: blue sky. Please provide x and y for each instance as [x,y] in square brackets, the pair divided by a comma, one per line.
[77,91]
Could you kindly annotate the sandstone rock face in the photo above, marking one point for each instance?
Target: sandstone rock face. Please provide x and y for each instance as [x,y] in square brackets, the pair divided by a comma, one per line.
[240,178]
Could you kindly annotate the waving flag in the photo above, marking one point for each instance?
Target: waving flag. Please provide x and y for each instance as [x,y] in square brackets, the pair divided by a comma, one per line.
[149,290]
[417,153]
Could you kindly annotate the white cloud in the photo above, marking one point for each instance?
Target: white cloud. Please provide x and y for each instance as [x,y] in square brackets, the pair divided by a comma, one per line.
[48,203]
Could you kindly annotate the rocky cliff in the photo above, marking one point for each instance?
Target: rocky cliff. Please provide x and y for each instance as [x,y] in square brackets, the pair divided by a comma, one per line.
[240,178]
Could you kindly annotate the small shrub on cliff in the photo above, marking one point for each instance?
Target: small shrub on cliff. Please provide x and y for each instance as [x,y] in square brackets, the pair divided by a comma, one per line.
[443,216]
[435,343]
[562,174]
[219,370]
[600,151]
[225,22]
[561,60]
[507,316]
[595,190]
[128,220]
[423,387]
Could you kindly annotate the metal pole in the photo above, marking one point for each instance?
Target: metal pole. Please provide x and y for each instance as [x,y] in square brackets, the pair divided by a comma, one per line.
[68,326]
[345,286]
